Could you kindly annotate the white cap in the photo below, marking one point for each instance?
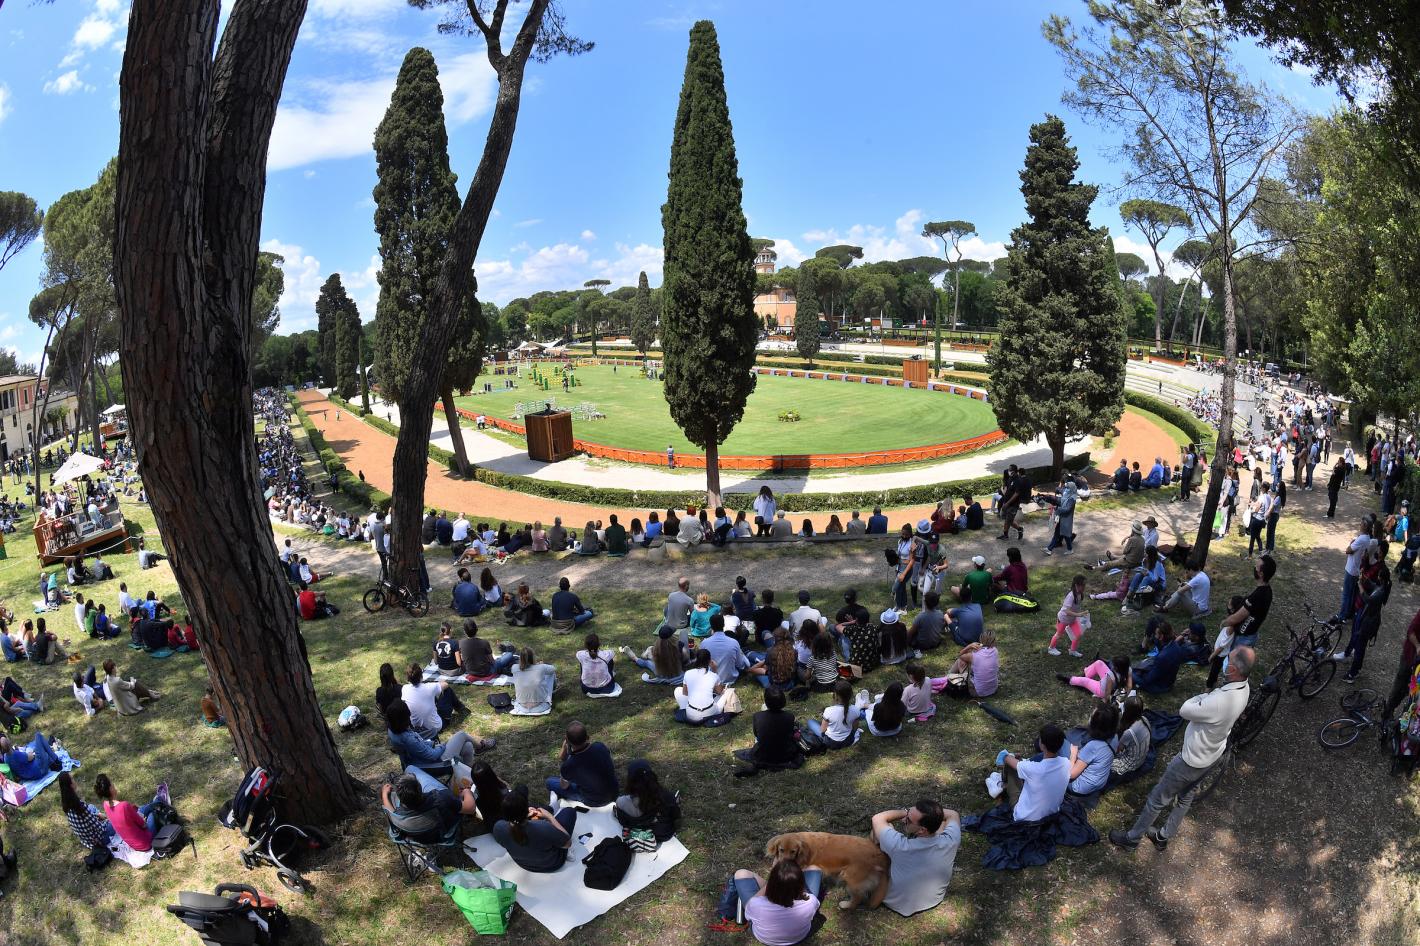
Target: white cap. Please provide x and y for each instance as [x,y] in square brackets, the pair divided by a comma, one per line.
[979,560]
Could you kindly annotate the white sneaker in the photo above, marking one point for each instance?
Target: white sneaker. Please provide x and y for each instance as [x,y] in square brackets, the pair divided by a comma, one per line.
[994,786]
[1053,651]
[1339,655]
[1076,654]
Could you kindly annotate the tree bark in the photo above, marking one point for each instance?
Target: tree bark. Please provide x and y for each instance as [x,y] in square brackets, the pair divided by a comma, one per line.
[712,475]
[454,285]
[1056,440]
[451,414]
[193,135]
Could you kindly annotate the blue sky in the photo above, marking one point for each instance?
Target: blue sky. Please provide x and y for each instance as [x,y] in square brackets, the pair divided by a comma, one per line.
[852,125]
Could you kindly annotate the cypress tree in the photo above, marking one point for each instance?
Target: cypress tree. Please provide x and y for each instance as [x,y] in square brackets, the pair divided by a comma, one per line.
[347,344]
[708,325]
[643,316]
[806,337]
[326,311]
[416,201]
[1058,369]
[364,377]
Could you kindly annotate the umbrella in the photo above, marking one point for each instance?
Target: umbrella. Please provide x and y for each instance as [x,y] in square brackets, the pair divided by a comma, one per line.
[80,464]
[1002,715]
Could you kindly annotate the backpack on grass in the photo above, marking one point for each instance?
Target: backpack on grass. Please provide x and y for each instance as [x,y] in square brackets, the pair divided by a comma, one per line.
[607,865]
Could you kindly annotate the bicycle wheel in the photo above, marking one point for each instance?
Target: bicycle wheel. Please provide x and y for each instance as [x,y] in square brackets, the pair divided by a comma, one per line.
[1316,678]
[1359,699]
[1255,717]
[416,603]
[375,600]
[1215,776]
[1339,733]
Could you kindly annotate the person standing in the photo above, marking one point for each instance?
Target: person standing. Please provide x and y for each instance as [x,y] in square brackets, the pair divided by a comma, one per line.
[1064,503]
[1333,487]
[1313,456]
[1274,512]
[1375,592]
[1258,512]
[1190,459]
[1210,720]
[670,456]
[1355,555]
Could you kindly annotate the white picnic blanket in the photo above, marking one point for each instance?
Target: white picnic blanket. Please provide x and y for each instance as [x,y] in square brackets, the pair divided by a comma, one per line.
[560,901]
[431,673]
[135,859]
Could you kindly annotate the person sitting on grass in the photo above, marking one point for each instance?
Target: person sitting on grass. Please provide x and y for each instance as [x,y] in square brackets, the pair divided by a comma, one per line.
[780,664]
[647,804]
[467,599]
[780,909]
[489,791]
[930,625]
[1191,596]
[536,839]
[476,654]
[587,773]
[892,645]
[1091,762]
[980,662]
[966,621]
[566,606]
[1148,581]
[976,583]
[886,714]
[415,749]
[838,727]
[598,666]
[663,661]
[822,669]
[701,694]
[19,703]
[533,684]
[423,810]
[89,826]
[917,694]
[1014,578]
[211,713]
[1156,674]
[182,637]
[43,645]
[1035,788]
[388,690]
[616,541]
[430,703]
[312,605]
[488,587]
[776,741]
[1103,681]
[1132,739]
[133,824]
[128,695]
[700,616]
[33,760]
[523,609]
[446,652]
[88,692]
[921,855]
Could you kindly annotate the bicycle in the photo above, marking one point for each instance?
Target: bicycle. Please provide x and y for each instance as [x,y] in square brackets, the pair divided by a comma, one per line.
[1307,667]
[1365,709]
[1331,639]
[411,597]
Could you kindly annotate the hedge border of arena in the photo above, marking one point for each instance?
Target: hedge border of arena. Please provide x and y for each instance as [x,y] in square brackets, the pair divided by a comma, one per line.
[824,361]
[346,482]
[1197,431]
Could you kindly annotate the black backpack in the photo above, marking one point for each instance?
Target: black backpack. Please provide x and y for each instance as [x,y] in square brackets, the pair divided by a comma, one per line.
[10,723]
[607,864]
[98,858]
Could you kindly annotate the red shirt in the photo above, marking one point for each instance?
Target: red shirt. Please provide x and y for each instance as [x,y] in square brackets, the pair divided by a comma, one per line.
[306,601]
[1015,577]
[129,825]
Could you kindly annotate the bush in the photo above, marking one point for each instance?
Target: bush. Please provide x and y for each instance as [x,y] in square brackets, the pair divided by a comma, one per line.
[1195,429]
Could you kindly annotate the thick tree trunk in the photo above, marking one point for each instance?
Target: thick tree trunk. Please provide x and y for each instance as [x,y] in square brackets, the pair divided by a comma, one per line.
[454,285]
[1159,302]
[451,414]
[1056,440]
[193,133]
[1224,447]
[712,476]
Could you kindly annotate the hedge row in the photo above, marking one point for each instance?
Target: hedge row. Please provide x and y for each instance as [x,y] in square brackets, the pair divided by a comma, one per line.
[829,361]
[1197,430]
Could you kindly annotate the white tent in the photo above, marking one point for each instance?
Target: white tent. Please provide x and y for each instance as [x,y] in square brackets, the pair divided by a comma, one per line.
[80,464]
[114,409]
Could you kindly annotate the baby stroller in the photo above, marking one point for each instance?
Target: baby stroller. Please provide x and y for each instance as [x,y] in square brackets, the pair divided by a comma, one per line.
[222,919]
[271,841]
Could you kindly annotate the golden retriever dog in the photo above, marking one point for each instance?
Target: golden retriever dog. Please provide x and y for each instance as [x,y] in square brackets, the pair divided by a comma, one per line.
[854,861]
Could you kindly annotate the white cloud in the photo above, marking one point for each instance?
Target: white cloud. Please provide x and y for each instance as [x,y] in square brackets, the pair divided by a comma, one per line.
[786,253]
[325,119]
[563,266]
[108,7]
[1123,243]
[531,222]
[902,241]
[308,174]
[303,282]
[356,9]
[94,31]
[67,83]
[364,288]
[588,235]
[4,101]
[8,332]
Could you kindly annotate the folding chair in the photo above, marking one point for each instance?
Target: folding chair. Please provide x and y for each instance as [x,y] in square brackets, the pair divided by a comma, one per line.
[417,857]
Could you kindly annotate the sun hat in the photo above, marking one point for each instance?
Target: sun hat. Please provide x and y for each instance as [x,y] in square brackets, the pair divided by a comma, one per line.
[889,616]
[1137,528]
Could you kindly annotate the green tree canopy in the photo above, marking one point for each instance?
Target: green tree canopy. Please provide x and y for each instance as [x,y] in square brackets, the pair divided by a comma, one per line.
[1058,369]
[708,326]
[20,223]
[842,253]
[1130,265]
[643,316]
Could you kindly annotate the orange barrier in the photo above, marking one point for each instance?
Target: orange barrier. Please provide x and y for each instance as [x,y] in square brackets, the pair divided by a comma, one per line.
[814,461]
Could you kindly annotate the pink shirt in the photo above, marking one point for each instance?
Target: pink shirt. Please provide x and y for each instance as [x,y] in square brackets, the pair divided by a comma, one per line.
[129,825]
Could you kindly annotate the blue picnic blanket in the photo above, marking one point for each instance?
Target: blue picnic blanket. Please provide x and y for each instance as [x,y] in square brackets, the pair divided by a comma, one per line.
[1018,844]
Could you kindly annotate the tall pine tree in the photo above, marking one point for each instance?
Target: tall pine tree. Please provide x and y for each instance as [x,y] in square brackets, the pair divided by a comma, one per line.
[708,326]
[1058,368]
[806,335]
[643,316]
[416,201]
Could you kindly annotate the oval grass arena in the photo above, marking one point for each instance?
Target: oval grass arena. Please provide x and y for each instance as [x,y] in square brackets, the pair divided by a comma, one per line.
[835,416]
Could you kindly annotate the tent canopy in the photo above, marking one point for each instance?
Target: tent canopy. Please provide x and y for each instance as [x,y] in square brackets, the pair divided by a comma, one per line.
[80,464]
[115,409]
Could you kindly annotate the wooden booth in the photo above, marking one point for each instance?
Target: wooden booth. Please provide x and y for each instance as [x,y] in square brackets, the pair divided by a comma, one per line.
[915,370]
[549,435]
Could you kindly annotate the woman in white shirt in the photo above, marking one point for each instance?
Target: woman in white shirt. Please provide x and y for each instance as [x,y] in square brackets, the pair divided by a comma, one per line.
[839,726]
[533,684]
[764,509]
[701,694]
[423,701]
[492,594]
[597,671]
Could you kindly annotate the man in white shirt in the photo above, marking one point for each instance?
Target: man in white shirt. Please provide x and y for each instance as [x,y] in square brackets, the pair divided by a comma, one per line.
[922,854]
[1037,786]
[856,525]
[126,603]
[461,528]
[79,612]
[1191,594]
[783,529]
[1210,720]
[1355,556]
[804,612]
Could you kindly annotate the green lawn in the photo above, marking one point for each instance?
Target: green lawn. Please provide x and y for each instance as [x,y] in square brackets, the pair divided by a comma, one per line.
[836,416]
